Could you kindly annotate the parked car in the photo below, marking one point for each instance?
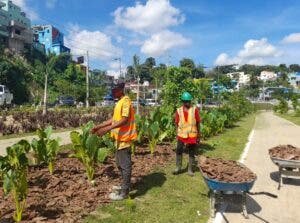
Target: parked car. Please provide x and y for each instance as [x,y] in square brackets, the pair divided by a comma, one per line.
[151,102]
[5,96]
[107,103]
[67,101]
[142,102]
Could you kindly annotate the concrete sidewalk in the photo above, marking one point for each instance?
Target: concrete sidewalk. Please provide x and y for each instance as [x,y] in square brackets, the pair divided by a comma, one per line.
[63,136]
[269,131]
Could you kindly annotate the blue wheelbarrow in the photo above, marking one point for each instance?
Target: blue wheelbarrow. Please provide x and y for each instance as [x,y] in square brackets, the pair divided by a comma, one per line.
[224,189]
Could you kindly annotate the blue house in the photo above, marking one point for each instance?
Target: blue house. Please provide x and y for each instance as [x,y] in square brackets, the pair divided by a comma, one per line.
[294,79]
[51,38]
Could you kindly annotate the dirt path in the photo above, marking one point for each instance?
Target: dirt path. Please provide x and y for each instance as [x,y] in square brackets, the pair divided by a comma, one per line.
[64,140]
[269,131]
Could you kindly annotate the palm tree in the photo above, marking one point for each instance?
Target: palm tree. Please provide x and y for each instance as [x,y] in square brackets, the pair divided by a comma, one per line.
[47,69]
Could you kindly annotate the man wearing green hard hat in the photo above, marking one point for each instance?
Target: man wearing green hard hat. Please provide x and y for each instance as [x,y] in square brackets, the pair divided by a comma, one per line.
[187,119]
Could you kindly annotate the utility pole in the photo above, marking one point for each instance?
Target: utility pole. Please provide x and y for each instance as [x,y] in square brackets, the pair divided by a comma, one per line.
[138,95]
[120,67]
[87,80]
[156,89]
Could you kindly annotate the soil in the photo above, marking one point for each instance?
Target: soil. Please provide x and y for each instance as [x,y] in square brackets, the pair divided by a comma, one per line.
[286,152]
[66,196]
[225,170]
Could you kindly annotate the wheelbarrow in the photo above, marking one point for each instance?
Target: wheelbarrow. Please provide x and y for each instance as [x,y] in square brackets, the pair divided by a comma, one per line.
[287,169]
[220,189]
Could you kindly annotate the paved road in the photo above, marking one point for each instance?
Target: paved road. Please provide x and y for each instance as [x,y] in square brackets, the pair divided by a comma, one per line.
[64,140]
[269,131]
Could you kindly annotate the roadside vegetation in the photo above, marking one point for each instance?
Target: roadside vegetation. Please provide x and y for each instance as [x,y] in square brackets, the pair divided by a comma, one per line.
[292,116]
[163,197]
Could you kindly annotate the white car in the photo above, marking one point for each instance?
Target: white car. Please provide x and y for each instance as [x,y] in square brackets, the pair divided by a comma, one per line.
[5,96]
[151,102]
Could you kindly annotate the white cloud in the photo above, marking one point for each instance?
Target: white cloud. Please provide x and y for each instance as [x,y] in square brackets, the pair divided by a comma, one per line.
[50,4]
[114,69]
[292,38]
[161,42]
[99,44]
[154,16]
[33,15]
[149,24]
[254,52]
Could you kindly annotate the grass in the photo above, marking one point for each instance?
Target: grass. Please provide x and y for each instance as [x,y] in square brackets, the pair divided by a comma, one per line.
[162,197]
[293,117]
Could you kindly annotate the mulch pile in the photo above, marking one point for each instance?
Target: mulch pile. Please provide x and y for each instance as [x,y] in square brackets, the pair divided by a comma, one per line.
[66,196]
[286,152]
[225,170]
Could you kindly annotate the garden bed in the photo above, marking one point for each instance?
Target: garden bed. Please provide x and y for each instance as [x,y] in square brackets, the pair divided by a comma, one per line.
[66,195]
[25,122]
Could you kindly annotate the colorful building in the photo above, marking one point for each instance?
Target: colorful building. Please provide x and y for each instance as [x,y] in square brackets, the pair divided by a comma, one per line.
[51,38]
[294,79]
[15,30]
[4,21]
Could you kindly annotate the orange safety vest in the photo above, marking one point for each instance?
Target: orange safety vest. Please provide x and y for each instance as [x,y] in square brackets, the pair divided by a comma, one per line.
[127,132]
[187,129]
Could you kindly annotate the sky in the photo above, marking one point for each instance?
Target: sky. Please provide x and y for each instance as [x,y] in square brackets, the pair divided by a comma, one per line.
[211,32]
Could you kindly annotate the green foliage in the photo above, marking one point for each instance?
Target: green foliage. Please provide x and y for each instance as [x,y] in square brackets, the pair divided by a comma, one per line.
[155,128]
[14,170]
[178,81]
[295,101]
[14,73]
[213,122]
[107,146]
[282,107]
[45,148]
[85,148]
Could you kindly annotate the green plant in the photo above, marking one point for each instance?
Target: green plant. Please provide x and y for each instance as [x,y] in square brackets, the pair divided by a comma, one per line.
[282,107]
[85,148]
[45,149]
[140,126]
[14,170]
[155,129]
[295,101]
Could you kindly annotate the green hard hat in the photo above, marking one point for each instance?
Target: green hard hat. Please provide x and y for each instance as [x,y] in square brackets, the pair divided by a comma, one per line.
[186,96]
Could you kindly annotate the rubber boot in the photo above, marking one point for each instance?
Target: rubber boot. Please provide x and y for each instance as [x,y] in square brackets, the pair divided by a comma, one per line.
[119,196]
[190,167]
[178,164]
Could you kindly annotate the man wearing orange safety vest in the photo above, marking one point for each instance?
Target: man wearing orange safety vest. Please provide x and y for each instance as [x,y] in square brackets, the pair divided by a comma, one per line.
[123,130]
[187,119]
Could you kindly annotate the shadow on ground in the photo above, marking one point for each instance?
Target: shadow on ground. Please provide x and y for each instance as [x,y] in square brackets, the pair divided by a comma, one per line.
[289,181]
[148,182]
[204,147]
[235,206]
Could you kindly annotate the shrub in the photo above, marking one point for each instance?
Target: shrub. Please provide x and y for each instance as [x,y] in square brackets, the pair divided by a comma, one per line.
[282,107]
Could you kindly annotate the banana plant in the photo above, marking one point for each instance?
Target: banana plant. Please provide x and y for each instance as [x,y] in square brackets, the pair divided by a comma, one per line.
[85,148]
[107,147]
[154,134]
[14,171]
[45,148]
[140,126]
